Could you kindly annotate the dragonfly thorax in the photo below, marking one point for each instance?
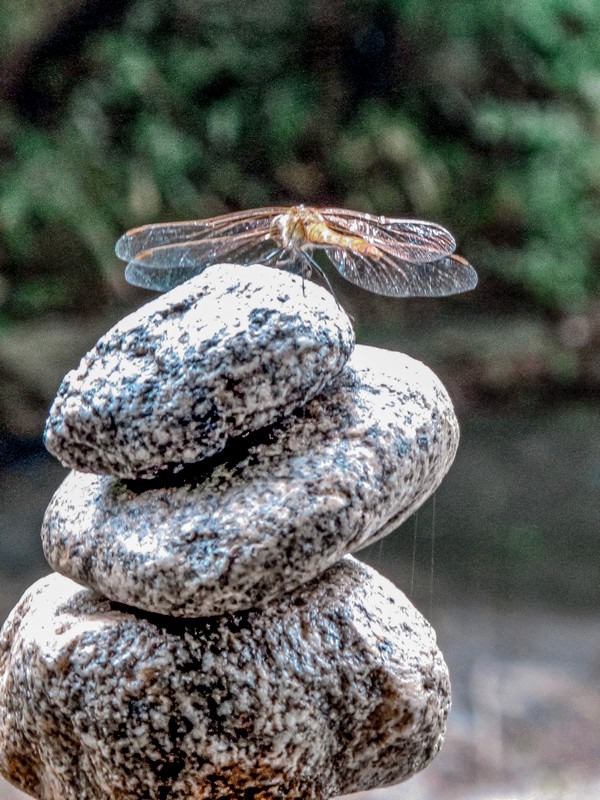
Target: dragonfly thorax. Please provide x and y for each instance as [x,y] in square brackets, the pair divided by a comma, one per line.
[294,229]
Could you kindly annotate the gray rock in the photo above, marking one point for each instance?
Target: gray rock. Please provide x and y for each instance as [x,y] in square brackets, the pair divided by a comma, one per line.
[335,688]
[342,471]
[222,355]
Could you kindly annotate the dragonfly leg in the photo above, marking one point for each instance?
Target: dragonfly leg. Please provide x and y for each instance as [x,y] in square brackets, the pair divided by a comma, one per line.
[312,265]
[305,273]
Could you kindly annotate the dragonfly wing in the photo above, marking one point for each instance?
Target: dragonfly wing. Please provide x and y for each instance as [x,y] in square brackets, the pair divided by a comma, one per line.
[409,239]
[395,277]
[162,268]
[146,237]
[159,280]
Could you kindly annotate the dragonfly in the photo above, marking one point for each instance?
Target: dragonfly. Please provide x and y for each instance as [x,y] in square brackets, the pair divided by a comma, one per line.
[387,256]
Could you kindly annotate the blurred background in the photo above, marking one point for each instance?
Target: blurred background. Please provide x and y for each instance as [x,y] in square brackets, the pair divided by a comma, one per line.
[482,116]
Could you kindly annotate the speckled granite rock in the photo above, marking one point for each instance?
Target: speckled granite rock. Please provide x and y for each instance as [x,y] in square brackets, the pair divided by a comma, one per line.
[344,470]
[334,688]
[224,354]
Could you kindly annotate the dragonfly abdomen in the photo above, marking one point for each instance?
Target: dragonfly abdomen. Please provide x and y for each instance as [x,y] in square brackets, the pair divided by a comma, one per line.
[322,234]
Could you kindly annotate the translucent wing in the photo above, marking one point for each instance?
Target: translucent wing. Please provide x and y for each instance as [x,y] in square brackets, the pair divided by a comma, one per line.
[146,237]
[408,239]
[415,256]
[396,277]
[162,268]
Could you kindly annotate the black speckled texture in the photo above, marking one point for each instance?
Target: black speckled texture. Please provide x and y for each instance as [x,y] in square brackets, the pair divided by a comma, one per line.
[342,471]
[335,688]
[220,356]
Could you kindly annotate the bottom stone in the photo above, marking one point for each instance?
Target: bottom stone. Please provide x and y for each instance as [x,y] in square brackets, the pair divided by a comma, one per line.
[334,688]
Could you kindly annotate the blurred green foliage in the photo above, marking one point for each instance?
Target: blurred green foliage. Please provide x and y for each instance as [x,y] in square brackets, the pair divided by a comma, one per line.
[484,116]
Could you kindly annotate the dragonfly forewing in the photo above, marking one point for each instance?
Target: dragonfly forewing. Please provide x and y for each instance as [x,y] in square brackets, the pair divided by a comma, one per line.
[411,240]
[257,221]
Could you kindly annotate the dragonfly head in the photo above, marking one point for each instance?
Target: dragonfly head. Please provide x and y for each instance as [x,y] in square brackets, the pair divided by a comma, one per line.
[287,229]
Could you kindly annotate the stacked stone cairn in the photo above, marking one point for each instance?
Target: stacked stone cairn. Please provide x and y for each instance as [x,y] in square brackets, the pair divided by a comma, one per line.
[206,633]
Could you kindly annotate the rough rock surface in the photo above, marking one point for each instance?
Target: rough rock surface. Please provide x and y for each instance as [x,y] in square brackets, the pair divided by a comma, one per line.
[345,469]
[334,688]
[222,355]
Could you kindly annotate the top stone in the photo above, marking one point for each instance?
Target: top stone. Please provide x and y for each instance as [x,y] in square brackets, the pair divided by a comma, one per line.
[220,356]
